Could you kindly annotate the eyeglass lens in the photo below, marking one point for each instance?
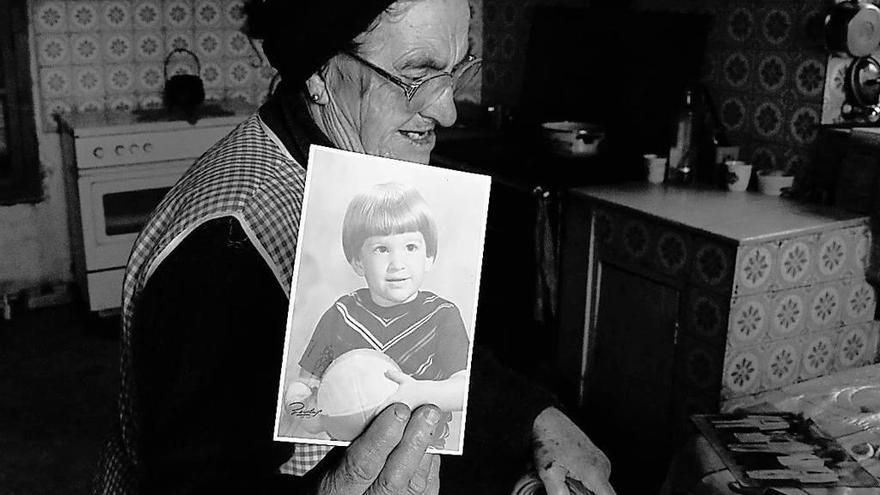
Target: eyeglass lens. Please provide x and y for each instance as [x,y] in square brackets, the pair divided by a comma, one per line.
[433,88]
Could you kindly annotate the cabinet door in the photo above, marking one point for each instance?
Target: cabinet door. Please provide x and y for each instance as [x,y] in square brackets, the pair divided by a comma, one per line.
[629,383]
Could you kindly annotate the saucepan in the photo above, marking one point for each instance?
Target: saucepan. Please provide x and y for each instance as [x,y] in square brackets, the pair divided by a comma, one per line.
[572,138]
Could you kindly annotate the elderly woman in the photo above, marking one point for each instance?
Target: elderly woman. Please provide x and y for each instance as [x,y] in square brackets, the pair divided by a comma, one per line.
[206,290]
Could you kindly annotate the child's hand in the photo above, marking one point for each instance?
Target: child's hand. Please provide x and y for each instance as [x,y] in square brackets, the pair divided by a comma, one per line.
[297,392]
[410,391]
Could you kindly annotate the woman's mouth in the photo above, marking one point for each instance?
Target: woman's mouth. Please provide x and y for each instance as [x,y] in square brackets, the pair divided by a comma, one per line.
[419,137]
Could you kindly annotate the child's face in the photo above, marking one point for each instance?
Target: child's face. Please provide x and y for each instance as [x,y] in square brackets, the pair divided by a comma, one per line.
[394,266]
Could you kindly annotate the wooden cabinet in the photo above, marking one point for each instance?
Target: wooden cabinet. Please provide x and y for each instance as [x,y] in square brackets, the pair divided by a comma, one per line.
[680,298]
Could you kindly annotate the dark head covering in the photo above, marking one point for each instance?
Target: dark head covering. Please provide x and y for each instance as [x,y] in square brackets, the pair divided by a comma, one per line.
[299,36]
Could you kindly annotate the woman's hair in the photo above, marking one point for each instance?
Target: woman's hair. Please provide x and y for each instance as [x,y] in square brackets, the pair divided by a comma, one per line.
[387,209]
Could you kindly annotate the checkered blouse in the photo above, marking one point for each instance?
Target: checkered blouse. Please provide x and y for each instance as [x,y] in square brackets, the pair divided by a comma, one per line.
[248,176]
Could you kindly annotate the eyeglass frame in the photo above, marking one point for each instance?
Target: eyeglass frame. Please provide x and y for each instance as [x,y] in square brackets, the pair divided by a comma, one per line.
[410,88]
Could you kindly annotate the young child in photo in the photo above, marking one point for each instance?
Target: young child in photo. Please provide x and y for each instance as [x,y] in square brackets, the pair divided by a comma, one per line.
[389,238]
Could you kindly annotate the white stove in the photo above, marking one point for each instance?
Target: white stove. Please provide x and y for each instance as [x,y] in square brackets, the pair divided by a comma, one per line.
[116,172]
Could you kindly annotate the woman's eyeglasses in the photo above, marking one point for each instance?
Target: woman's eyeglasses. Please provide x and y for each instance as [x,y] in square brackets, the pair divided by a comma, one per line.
[422,93]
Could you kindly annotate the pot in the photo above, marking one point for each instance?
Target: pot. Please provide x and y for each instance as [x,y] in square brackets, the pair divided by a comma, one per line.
[183,91]
[774,183]
[572,138]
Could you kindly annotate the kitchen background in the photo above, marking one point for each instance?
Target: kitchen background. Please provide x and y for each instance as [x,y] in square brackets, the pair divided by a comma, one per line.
[764,66]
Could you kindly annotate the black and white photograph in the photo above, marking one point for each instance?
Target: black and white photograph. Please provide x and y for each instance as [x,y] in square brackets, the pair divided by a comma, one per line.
[502,247]
[383,298]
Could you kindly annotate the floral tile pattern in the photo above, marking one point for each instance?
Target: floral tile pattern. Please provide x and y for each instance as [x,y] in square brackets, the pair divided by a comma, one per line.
[108,54]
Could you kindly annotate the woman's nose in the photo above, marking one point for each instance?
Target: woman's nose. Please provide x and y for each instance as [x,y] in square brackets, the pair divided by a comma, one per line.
[442,110]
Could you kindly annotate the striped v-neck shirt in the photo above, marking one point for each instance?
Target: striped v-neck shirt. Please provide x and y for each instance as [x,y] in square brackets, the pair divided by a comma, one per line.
[425,337]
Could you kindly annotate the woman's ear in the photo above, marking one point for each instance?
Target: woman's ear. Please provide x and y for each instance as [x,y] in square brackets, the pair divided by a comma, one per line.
[316,85]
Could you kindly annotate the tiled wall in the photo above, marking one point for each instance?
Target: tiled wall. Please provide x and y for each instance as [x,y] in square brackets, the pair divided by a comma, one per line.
[109,54]
[766,70]
[765,67]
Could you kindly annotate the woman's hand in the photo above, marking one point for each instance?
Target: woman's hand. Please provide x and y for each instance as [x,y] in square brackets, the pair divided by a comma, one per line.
[564,453]
[388,458]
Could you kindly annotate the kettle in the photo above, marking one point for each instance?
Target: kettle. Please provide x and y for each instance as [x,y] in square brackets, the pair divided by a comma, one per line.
[183,91]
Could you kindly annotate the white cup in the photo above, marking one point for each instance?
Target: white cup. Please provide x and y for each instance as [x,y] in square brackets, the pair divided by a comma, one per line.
[738,175]
[655,168]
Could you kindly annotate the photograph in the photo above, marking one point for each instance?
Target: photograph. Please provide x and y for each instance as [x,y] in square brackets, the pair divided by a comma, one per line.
[383,298]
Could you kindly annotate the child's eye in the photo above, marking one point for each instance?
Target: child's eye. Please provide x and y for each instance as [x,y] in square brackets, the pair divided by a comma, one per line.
[412,247]
[380,249]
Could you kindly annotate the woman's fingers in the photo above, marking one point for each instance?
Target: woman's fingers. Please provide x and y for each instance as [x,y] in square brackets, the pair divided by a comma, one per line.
[434,476]
[366,457]
[421,482]
[403,462]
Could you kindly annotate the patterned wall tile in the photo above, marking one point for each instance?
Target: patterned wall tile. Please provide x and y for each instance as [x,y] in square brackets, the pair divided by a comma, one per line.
[238,73]
[856,346]
[782,364]
[149,77]
[148,14]
[55,82]
[213,74]
[713,265]
[705,317]
[233,14]
[118,47]
[756,268]
[237,44]
[119,79]
[88,81]
[50,17]
[772,72]
[818,354]
[86,49]
[209,44]
[824,306]
[116,15]
[53,49]
[83,16]
[178,14]
[208,13]
[148,46]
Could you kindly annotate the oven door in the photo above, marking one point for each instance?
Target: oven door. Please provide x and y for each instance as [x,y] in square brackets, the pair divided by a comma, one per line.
[116,203]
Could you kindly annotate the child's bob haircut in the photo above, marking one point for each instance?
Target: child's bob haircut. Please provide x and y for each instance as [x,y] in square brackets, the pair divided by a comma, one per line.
[387,209]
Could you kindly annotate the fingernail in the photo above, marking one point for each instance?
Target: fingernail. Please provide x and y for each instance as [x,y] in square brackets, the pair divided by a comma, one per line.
[401,411]
[433,416]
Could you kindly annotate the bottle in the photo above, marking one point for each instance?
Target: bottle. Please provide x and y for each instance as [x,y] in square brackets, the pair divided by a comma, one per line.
[682,155]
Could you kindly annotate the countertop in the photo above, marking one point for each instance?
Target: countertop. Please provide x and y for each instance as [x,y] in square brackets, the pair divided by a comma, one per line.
[739,216]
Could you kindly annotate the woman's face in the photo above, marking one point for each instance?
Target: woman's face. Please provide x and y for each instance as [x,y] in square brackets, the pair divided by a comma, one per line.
[365,112]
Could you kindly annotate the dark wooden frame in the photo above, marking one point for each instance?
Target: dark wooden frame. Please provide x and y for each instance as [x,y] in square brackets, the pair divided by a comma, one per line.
[20,183]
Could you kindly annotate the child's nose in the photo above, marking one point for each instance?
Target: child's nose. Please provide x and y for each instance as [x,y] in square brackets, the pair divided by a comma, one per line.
[396,262]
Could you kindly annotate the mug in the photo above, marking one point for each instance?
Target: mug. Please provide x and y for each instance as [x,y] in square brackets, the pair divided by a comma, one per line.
[655,168]
[738,175]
